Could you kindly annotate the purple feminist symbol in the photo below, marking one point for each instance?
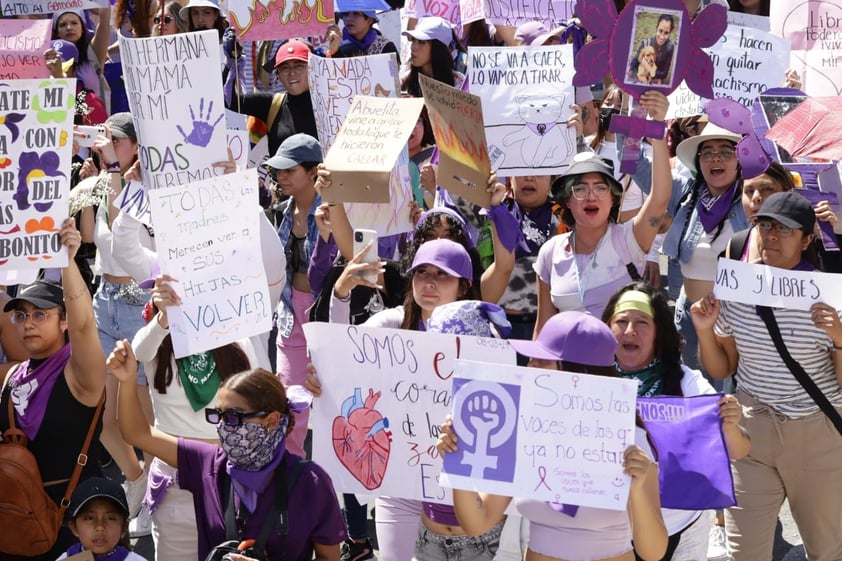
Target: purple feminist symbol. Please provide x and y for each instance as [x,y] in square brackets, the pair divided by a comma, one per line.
[202,129]
[488,417]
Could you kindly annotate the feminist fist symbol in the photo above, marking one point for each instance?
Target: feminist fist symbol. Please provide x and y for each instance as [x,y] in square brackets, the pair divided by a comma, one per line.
[202,129]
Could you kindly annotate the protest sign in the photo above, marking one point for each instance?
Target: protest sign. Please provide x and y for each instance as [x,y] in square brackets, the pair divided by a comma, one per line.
[814,28]
[372,136]
[35,153]
[749,20]
[448,10]
[208,238]
[175,96]
[22,44]
[746,62]
[456,118]
[762,285]
[526,126]
[238,143]
[9,8]
[517,12]
[546,435]
[134,201]
[255,20]
[385,393]
[694,469]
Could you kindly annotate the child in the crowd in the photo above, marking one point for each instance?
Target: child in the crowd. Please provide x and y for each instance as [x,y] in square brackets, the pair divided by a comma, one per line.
[99,517]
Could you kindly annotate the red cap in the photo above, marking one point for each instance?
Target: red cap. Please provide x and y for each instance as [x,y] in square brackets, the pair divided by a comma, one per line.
[292,50]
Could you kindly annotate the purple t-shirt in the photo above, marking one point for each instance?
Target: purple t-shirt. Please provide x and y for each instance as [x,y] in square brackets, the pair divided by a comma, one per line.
[314,514]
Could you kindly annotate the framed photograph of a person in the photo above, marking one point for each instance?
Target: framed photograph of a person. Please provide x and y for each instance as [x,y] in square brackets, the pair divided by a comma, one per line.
[653,47]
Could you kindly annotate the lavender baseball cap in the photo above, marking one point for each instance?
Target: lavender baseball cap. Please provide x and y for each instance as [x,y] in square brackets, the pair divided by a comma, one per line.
[447,255]
[572,337]
[432,28]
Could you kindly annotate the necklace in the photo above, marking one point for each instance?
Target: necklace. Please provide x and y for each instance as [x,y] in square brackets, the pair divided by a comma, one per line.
[583,273]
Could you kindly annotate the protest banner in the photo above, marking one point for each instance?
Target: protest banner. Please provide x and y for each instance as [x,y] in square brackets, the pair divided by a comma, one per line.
[133,200]
[517,12]
[546,435]
[255,20]
[448,10]
[694,470]
[814,29]
[746,62]
[456,118]
[385,394]
[208,238]
[35,152]
[761,285]
[175,96]
[372,136]
[9,8]
[526,126]
[22,44]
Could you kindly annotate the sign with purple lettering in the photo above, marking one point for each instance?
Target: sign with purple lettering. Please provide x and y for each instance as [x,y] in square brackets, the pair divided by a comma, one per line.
[517,12]
[177,106]
[208,238]
[694,468]
[547,435]
[36,117]
[814,28]
[385,392]
[9,8]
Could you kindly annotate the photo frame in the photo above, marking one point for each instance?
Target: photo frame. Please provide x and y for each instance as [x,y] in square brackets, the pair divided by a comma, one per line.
[653,46]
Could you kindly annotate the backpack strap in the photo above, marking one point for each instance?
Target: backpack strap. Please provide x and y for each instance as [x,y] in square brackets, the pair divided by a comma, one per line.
[737,244]
[278,101]
[82,459]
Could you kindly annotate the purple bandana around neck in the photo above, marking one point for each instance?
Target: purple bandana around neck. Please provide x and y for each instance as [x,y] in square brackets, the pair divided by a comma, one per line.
[713,209]
[367,40]
[120,553]
[249,484]
[30,391]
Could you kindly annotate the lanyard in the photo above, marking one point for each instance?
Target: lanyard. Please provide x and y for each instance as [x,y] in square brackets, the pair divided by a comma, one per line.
[589,265]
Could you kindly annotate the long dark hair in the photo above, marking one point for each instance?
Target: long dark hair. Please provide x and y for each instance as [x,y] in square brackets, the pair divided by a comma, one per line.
[230,359]
[82,44]
[567,217]
[139,19]
[668,341]
[221,24]
[736,6]
[443,66]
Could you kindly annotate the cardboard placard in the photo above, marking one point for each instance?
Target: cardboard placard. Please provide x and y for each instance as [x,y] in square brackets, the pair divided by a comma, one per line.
[518,12]
[9,8]
[35,155]
[456,118]
[255,20]
[372,136]
[176,102]
[22,44]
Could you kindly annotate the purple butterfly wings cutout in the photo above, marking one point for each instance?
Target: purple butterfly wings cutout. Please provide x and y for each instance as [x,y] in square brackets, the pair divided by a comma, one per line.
[733,116]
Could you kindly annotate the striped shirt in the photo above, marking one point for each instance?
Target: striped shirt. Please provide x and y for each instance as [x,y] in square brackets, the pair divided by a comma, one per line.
[762,373]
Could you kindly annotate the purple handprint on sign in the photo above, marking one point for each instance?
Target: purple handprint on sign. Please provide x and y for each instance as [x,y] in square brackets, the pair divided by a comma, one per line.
[202,129]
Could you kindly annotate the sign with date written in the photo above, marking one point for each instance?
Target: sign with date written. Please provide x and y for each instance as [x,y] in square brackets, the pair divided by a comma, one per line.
[385,392]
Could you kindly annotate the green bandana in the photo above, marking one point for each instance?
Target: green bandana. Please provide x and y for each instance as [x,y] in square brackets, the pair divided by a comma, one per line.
[199,378]
[651,383]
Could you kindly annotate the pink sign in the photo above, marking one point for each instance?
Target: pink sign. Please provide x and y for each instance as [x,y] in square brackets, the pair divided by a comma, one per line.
[254,20]
[447,10]
[22,44]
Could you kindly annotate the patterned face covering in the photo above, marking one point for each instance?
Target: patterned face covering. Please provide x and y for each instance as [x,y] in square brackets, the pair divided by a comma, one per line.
[250,446]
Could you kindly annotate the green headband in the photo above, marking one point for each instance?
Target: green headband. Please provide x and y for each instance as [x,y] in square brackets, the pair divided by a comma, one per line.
[634,300]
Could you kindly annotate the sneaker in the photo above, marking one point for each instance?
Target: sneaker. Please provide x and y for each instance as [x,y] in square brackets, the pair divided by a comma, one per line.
[135,491]
[141,525]
[717,544]
[356,551]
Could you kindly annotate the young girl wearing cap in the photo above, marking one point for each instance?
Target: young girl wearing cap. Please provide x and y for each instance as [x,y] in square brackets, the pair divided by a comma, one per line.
[796,452]
[576,342]
[441,273]
[649,350]
[430,44]
[99,518]
[253,418]
[579,270]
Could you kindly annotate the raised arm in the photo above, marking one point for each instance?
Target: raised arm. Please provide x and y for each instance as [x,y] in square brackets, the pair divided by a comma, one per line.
[102,35]
[86,369]
[343,230]
[133,424]
[718,354]
[650,216]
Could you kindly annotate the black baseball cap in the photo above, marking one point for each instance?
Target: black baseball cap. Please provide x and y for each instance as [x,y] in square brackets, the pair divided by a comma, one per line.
[790,209]
[585,162]
[41,294]
[121,125]
[97,488]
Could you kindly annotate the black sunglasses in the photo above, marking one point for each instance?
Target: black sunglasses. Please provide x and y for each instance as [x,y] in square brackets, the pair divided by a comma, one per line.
[230,417]
[167,19]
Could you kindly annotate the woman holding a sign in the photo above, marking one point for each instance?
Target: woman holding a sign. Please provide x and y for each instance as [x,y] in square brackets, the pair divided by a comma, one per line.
[649,350]
[430,43]
[789,367]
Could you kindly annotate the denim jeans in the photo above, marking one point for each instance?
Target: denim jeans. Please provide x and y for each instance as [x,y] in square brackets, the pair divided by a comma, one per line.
[437,547]
[118,309]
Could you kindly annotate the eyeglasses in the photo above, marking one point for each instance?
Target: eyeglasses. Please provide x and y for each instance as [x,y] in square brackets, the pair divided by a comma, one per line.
[722,154]
[767,226]
[167,20]
[582,191]
[38,317]
[230,417]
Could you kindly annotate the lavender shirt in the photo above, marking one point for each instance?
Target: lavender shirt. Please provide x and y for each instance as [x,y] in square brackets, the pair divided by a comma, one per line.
[315,516]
